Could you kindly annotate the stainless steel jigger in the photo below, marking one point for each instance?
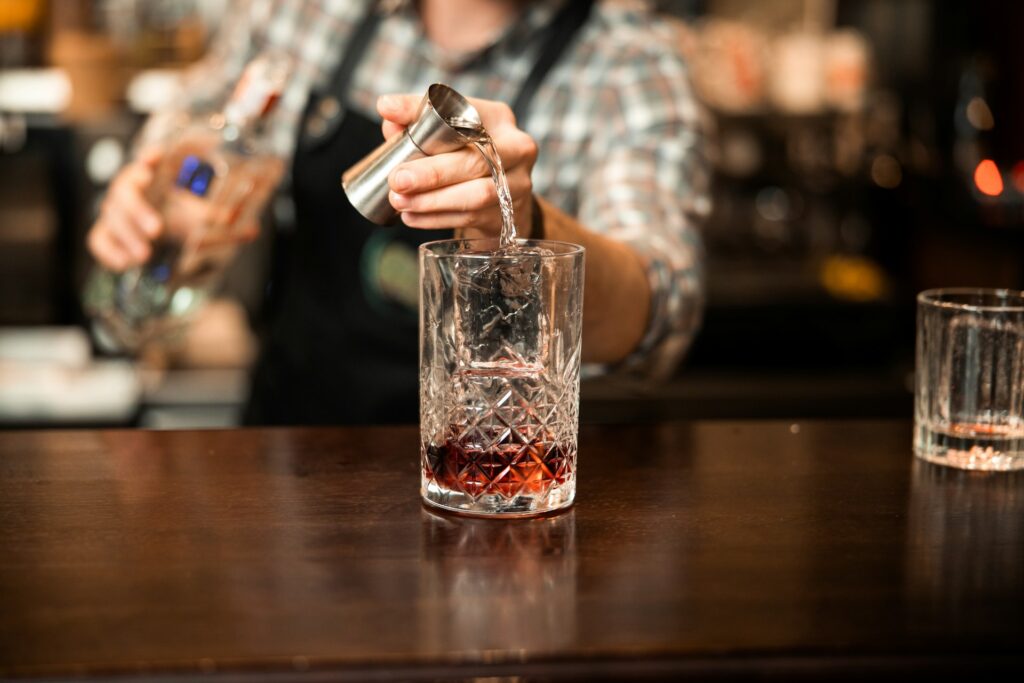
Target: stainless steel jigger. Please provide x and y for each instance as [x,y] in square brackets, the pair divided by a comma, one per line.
[366,182]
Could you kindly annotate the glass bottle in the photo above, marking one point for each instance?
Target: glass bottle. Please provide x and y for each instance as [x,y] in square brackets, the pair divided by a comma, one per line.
[215,175]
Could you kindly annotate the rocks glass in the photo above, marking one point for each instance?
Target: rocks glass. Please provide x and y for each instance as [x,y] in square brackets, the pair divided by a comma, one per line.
[969,400]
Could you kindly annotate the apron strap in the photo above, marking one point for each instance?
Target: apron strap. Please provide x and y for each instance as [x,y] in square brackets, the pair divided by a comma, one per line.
[560,32]
[326,108]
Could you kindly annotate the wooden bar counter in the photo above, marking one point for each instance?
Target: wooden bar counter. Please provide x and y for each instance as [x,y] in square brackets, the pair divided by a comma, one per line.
[704,550]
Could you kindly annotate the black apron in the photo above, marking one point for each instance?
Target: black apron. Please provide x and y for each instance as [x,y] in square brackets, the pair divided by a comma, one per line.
[340,345]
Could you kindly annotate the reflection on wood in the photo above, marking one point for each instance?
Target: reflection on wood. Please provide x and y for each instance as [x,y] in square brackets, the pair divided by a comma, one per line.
[700,548]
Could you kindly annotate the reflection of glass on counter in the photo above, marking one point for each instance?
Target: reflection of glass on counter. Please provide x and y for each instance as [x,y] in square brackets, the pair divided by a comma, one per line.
[966,539]
[504,585]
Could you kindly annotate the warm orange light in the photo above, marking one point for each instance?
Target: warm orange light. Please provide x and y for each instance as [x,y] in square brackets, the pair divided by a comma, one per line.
[988,179]
[1018,175]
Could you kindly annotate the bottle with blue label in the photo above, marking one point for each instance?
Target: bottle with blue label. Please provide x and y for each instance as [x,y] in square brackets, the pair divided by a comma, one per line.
[215,176]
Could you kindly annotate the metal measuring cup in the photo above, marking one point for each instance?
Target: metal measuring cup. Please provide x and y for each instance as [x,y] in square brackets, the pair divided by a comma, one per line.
[445,122]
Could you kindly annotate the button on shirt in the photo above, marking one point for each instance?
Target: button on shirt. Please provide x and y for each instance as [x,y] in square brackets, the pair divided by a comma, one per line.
[615,120]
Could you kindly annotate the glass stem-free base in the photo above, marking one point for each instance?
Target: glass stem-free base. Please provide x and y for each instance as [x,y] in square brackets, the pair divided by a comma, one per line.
[971,446]
[496,505]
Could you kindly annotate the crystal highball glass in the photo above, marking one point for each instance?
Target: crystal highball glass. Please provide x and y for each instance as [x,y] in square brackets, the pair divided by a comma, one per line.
[500,338]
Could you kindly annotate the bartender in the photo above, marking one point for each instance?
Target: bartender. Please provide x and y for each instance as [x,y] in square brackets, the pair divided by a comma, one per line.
[590,109]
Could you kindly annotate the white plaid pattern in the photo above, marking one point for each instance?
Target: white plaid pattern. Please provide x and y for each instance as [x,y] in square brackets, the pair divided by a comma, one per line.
[615,121]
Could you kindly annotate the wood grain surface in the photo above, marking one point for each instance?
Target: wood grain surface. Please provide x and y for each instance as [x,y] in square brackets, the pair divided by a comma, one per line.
[717,550]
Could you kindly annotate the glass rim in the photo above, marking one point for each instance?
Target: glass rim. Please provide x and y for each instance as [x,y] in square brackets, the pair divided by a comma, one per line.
[935,298]
[569,249]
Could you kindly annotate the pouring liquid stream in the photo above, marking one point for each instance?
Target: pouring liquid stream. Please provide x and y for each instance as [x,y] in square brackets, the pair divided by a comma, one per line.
[485,145]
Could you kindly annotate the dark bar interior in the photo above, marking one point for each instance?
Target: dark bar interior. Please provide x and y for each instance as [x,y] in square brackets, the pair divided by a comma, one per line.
[833,201]
[230,348]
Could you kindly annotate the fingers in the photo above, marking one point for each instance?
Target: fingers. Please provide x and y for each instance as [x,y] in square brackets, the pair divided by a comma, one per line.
[247,232]
[390,129]
[127,223]
[469,196]
[149,156]
[126,194]
[399,109]
[442,170]
[468,205]
[243,232]
[472,195]
[516,149]
[122,230]
[107,251]
[486,221]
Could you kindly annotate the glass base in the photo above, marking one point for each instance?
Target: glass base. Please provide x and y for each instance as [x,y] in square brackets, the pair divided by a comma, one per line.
[494,505]
[988,448]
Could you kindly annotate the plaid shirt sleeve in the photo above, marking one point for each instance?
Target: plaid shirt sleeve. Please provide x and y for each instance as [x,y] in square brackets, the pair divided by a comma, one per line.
[646,185]
[310,32]
[207,84]
[209,81]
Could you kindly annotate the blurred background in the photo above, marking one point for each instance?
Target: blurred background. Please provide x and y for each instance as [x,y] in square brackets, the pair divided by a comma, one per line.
[863,151]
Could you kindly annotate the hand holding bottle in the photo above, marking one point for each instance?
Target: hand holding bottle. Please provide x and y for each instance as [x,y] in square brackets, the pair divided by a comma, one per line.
[121,236]
[173,218]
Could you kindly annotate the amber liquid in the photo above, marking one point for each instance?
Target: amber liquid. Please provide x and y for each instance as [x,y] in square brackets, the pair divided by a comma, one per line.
[973,446]
[508,468]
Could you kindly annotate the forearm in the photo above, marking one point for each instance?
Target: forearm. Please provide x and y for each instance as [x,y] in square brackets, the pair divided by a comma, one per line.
[616,293]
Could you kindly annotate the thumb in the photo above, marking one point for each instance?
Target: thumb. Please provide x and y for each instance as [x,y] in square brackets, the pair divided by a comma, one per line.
[390,129]
[400,109]
[150,155]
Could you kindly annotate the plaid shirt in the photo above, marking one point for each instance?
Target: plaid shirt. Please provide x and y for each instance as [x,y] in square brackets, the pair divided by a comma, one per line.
[615,121]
